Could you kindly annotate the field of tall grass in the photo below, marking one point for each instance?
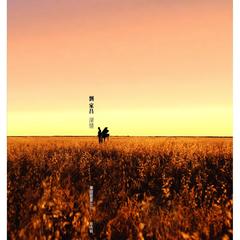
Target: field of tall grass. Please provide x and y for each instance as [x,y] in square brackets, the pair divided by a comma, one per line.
[143,188]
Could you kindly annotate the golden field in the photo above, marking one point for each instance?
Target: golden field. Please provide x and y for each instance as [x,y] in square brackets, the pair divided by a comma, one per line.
[144,188]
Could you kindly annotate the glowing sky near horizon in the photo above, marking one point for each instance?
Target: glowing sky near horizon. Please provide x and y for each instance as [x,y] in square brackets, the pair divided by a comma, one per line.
[155,67]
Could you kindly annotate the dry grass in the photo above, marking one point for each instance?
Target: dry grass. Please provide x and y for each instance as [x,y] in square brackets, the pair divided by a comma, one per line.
[144,188]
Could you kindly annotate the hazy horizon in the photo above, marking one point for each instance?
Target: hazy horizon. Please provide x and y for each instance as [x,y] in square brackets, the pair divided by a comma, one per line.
[203,136]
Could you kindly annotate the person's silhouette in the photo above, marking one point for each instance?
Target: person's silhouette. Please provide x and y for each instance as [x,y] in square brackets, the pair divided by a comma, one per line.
[102,135]
[99,135]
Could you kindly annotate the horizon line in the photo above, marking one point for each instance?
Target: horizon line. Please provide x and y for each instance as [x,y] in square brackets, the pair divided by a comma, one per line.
[203,136]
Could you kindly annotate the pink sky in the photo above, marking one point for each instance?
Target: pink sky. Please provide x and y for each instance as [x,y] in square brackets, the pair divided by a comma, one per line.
[145,61]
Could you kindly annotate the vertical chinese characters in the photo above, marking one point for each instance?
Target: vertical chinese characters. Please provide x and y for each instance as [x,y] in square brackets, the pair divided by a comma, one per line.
[91,111]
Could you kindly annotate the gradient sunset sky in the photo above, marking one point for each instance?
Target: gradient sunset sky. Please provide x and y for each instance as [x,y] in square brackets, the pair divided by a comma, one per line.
[155,67]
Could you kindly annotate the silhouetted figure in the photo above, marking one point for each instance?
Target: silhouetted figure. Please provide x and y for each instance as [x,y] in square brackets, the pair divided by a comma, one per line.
[105,134]
[102,135]
[99,135]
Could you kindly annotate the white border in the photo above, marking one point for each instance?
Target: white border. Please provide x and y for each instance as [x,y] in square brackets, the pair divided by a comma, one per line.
[236,126]
[3,119]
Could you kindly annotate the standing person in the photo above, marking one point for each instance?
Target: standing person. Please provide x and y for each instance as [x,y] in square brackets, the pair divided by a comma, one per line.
[99,135]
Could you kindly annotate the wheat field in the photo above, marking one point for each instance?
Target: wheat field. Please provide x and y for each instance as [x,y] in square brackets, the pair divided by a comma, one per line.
[143,188]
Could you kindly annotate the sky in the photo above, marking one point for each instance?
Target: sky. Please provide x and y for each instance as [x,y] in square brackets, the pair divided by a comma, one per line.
[155,67]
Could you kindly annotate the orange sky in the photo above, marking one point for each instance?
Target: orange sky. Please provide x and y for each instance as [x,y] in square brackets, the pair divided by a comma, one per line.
[155,67]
